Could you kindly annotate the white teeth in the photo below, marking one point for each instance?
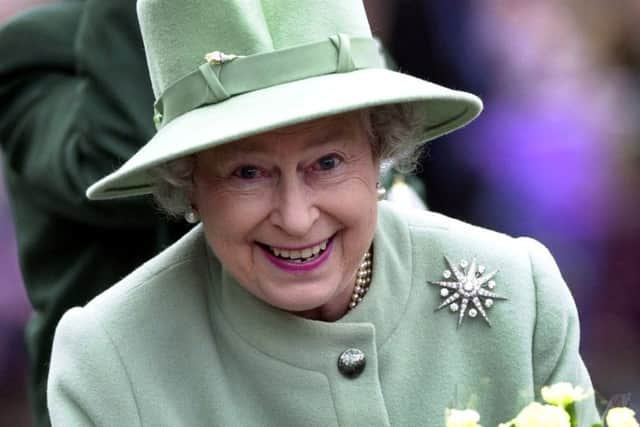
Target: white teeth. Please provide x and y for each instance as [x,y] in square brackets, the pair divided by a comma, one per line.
[298,254]
[294,254]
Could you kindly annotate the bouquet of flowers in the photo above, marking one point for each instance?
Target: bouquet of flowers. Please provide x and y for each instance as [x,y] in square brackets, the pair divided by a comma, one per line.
[558,411]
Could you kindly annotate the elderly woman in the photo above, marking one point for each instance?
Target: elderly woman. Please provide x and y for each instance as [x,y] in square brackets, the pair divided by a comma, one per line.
[301,300]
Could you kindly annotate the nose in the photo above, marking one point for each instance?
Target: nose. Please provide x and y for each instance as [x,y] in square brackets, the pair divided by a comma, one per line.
[294,210]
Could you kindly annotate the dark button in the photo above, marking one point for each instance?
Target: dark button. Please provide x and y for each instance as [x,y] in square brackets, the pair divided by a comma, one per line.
[351,362]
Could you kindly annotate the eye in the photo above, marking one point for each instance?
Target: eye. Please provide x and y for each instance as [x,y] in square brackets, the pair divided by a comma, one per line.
[248,172]
[328,162]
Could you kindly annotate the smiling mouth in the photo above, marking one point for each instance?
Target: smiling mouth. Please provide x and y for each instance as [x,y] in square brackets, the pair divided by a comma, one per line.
[298,255]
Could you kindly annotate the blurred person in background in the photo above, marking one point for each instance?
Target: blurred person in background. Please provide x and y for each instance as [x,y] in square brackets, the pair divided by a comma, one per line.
[556,154]
[611,30]
[564,122]
[75,97]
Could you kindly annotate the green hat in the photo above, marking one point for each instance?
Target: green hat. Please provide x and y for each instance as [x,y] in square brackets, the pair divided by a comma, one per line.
[222,70]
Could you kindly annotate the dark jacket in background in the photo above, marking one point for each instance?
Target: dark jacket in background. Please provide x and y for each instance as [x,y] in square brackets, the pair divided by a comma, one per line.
[76,102]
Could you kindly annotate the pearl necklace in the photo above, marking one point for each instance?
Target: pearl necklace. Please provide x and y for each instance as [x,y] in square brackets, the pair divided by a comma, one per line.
[363,280]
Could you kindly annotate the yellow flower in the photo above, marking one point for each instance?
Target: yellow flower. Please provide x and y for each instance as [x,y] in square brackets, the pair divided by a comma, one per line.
[537,415]
[621,417]
[563,394]
[462,418]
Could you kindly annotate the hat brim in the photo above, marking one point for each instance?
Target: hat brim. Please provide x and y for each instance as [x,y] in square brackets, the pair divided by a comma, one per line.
[444,110]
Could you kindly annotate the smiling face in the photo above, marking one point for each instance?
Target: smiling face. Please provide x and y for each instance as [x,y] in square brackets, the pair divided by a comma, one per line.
[291,212]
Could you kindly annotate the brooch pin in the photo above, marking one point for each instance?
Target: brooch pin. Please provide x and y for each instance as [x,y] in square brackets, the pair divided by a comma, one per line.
[217,57]
[467,284]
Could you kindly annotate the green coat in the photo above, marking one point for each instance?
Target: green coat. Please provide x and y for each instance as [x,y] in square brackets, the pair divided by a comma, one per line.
[76,102]
[179,343]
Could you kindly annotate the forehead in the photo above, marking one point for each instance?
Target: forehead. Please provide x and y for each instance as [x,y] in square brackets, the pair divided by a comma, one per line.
[340,128]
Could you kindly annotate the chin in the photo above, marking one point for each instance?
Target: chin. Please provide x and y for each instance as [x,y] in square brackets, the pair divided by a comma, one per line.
[305,298]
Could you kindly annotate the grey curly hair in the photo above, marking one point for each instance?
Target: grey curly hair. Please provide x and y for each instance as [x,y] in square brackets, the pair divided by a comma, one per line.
[394,132]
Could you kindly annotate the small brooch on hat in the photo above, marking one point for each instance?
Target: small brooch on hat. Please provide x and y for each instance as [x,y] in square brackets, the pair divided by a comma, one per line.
[467,289]
[217,57]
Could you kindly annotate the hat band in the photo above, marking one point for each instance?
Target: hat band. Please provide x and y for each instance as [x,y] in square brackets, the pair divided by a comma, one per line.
[217,80]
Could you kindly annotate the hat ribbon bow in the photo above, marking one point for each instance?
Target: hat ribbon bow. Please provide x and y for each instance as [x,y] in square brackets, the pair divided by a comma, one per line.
[224,76]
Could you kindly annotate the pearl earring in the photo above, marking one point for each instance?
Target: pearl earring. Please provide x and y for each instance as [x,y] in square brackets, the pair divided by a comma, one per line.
[191,216]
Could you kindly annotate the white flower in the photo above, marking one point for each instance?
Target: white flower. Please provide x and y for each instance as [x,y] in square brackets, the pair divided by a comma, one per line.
[537,415]
[403,195]
[621,417]
[462,418]
[563,394]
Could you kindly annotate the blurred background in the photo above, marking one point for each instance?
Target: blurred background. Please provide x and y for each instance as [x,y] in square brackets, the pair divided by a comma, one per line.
[555,156]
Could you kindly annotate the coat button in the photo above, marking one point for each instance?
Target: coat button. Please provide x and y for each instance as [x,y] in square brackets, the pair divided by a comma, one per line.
[351,362]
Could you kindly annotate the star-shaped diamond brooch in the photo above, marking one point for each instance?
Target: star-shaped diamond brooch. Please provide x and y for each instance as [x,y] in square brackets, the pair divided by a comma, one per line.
[467,289]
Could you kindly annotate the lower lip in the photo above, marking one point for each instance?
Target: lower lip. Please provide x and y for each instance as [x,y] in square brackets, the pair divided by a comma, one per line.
[293,267]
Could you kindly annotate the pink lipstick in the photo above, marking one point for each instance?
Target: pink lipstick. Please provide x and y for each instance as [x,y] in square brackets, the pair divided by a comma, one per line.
[296,266]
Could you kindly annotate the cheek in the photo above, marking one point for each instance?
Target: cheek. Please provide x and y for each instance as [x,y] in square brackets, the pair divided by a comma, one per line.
[360,203]
[354,204]
[212,199]
[216,210]
[228,218]
[225,219]
[229,233]
[212,206]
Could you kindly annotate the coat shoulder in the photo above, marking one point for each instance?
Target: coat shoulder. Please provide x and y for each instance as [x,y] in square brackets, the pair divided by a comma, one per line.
[160,286]
[525,271]
[431,228]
